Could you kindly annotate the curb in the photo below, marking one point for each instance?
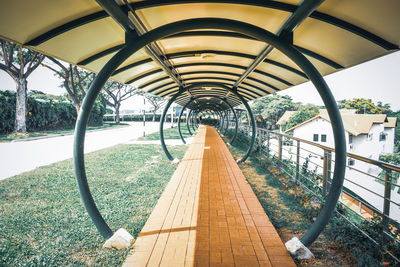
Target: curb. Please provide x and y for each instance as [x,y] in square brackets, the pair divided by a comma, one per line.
[59,135]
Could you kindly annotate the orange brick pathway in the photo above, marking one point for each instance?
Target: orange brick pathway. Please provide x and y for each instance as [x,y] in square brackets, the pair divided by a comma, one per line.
[208,215]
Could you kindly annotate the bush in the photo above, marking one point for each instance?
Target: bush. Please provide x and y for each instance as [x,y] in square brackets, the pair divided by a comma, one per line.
[7,111]
[45,112]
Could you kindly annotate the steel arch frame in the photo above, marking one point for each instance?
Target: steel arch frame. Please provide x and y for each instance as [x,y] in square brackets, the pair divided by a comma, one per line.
[214,84]
[205,96]
[134,43]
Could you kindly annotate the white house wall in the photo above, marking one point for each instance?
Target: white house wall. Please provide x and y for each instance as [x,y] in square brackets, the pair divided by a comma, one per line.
[363,145]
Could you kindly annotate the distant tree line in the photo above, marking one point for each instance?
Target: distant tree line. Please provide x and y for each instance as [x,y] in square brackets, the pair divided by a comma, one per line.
[19,63]
[269,109]
[45,112]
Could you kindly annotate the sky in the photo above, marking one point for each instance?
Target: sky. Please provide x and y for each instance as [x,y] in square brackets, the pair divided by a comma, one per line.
[378,79]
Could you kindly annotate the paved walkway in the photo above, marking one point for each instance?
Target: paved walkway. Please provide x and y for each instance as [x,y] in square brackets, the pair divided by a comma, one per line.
[208,215]
[19,157]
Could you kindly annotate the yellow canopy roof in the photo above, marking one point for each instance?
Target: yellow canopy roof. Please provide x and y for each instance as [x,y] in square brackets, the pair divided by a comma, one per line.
[337,34]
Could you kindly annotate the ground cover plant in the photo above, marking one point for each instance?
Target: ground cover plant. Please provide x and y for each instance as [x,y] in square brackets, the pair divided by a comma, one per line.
[292,210]
[43,221]
[169,133]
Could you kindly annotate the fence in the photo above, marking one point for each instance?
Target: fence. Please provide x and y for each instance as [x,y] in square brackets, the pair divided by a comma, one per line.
[371,187]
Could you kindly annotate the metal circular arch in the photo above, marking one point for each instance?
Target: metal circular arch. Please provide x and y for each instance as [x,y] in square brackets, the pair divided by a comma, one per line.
[209,84]
[205,96]
[136,43]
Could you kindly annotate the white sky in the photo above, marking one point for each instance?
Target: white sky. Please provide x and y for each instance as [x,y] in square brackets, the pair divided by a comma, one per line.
[377,79]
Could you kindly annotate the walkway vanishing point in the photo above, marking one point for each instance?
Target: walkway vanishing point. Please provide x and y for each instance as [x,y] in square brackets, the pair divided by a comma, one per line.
[208,215]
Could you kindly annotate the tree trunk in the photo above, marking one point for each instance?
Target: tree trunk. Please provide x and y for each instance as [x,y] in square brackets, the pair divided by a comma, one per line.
[154,116]
[20,111]
[117,120]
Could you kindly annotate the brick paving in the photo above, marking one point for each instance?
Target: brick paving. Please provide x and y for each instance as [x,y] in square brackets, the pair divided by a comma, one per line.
[208,215]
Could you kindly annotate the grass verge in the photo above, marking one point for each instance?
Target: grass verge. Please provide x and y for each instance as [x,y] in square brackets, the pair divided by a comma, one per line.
[169,133]
[43,221]
[4,138]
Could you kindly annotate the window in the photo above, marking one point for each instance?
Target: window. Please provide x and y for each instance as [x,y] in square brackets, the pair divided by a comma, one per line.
[323,137]
[382,136]
[315,138]
[369,137]
[350,139]
[351,162]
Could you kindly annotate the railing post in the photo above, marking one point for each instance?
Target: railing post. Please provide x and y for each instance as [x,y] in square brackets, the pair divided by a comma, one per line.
[328,169]
[260,142]
[386,208]
[268,139]
[280,150]
[297,162]
[386,200]
[325,173]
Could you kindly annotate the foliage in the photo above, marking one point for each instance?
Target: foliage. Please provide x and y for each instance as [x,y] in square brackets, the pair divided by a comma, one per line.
[7,111]
[303,114]
[43,221]
[391,158]
[45,112]
[363,105]
[339,230]
[19,63]
[75,80]
[116,93]
[156,102]
[136,117]
[272,107]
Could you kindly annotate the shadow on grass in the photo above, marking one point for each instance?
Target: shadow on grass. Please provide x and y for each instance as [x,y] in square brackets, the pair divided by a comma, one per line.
[42,219]
[169,133]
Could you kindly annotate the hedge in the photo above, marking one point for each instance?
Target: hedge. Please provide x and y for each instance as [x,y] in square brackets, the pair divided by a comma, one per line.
[44,114]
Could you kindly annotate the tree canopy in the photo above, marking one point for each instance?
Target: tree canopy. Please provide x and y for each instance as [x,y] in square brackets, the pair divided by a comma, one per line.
[272,107]
[364,106]
[19,63]
[304,113]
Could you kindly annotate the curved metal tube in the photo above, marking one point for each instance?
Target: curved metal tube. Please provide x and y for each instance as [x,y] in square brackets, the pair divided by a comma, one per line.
[217,97]
[223,24]
[188,121]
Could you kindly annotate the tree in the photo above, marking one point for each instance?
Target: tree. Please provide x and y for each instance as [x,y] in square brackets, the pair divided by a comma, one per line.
[156,101]
[272,107]
[19,63]
[364,106]
[75,80]
[301,115]
[116,93]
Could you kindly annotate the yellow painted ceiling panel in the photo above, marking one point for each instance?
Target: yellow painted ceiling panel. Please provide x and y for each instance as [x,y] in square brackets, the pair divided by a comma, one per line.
[214,59]
[137,71]
[330,44]
[381,17]
[174,45]
[157,16]
[209,68]
[31,18]
[81,42]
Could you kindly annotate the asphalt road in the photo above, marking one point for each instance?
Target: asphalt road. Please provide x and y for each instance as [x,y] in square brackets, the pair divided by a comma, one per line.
[19,157]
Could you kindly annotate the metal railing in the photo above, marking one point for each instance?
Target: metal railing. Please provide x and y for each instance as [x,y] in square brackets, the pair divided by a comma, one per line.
[371,187]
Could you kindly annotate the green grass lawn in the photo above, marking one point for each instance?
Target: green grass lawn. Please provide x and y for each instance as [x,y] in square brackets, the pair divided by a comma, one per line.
[169,133]
[15,136]
[43,221]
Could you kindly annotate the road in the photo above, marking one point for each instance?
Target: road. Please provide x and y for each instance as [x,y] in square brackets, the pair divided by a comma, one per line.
[19,157]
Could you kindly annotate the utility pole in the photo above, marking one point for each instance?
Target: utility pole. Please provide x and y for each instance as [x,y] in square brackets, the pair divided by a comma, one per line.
[144,116]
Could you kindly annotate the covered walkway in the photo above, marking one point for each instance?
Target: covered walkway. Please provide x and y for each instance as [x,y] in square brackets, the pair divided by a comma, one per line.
[208,215]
